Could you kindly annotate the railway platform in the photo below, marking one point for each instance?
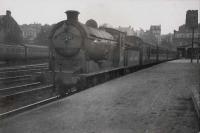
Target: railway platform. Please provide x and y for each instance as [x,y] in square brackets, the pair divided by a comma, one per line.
[153,100]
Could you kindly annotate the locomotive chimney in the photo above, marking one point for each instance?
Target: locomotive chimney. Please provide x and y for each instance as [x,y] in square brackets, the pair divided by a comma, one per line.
[8,12]
[72,15]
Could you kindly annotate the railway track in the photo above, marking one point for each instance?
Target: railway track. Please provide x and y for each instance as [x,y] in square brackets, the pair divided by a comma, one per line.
[13,76]
[30,106]
[33,104]
[23,67]
[41,94]
[18,88]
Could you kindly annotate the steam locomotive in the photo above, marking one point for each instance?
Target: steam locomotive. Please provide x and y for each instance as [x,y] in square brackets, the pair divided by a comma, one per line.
[84,55]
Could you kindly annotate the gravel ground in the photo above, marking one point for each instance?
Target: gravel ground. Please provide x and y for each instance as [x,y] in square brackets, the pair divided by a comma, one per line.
[153,100]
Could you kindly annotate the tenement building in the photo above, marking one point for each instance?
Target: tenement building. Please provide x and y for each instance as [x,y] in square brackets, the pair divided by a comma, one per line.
[30,31]
[183,40]
[128,30]
[156,31]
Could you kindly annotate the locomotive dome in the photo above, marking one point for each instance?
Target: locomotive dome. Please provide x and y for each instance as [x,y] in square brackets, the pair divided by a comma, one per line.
[92,23]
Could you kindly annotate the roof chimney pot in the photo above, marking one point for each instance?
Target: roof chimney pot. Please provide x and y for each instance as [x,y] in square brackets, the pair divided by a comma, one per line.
[8,12]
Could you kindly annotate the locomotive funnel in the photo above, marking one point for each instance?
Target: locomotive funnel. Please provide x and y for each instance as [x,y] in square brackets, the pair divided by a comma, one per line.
[72,15]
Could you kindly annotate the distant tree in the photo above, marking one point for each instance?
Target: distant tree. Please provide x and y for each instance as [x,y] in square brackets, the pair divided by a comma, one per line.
[42,37]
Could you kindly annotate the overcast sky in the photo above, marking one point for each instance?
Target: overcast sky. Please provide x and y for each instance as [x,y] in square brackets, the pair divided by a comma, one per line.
[137,13]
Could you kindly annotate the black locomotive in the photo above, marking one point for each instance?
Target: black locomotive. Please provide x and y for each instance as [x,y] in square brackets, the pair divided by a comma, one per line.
[84,55]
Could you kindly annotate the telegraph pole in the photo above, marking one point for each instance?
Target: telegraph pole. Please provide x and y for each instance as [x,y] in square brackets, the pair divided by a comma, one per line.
[192,23]
[192,50]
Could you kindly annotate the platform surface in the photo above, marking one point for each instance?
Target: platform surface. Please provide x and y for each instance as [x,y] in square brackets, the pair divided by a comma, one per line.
[153,100]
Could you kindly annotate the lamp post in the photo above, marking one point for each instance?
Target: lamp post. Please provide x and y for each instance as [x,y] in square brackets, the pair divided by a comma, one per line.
[192,23]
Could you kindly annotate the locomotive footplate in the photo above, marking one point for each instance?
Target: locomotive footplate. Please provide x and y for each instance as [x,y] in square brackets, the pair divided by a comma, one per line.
[67,83]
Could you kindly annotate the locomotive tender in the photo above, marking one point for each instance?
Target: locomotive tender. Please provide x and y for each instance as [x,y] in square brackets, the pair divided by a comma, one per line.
[83,55]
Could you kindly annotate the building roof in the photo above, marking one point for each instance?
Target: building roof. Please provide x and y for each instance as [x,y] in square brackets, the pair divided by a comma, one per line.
[155,27]
[11,30]
[183,28]
[1,16]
